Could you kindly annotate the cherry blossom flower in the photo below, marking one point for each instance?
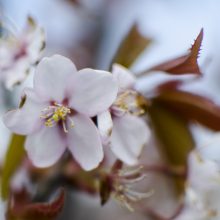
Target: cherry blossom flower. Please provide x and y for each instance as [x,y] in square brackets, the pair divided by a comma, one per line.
[202,190]
[56,113]
[120,126]
[19,53]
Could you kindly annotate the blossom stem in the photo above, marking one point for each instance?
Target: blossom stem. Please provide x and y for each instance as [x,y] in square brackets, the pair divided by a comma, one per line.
[170,171]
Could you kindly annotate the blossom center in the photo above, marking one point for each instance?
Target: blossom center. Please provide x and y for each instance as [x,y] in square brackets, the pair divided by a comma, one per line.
[55,114]
[128,102]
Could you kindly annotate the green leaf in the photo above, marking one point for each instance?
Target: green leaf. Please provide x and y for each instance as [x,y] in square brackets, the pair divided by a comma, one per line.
[173,133]
[175,139]
[13,159]
[131,47]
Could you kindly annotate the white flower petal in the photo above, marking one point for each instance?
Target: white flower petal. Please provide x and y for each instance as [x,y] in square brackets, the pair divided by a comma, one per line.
[26,120]
[84,142]
[202,189]
[45,147]
[123,76]
[129,135]
[35,39]
[3,209]
[93,91]
[210,149]
[51,77]
[21,67]
[105,125]
[202,170]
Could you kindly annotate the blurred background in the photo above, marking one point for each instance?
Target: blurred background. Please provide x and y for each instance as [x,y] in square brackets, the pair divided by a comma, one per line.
[89,32]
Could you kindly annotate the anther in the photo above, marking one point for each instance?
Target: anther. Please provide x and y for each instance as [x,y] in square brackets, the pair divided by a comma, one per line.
[56,113]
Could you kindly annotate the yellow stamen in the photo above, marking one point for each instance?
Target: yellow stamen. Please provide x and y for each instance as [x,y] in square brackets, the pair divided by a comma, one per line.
[56,113]
[128,102]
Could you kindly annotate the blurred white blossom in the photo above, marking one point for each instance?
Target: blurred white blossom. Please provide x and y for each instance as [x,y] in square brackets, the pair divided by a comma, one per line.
[18,53]
[202,189]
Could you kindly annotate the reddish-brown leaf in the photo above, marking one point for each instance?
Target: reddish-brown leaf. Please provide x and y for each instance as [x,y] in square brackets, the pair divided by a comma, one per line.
[105,189]
[186,64]
[192,107]
[36,211]
[75,2]
[169,85]
[131,47]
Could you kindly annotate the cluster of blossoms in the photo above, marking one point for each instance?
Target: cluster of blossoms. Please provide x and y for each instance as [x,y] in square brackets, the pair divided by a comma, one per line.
[81,112]
[75,116]
[59,113]
[19,51]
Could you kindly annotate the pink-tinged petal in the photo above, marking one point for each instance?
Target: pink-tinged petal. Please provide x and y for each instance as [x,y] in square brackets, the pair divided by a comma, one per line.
[51,77]
[129,135]
[26,120]
[105,125]
[84,142]
[93,91]
[123,76]
[45,147]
